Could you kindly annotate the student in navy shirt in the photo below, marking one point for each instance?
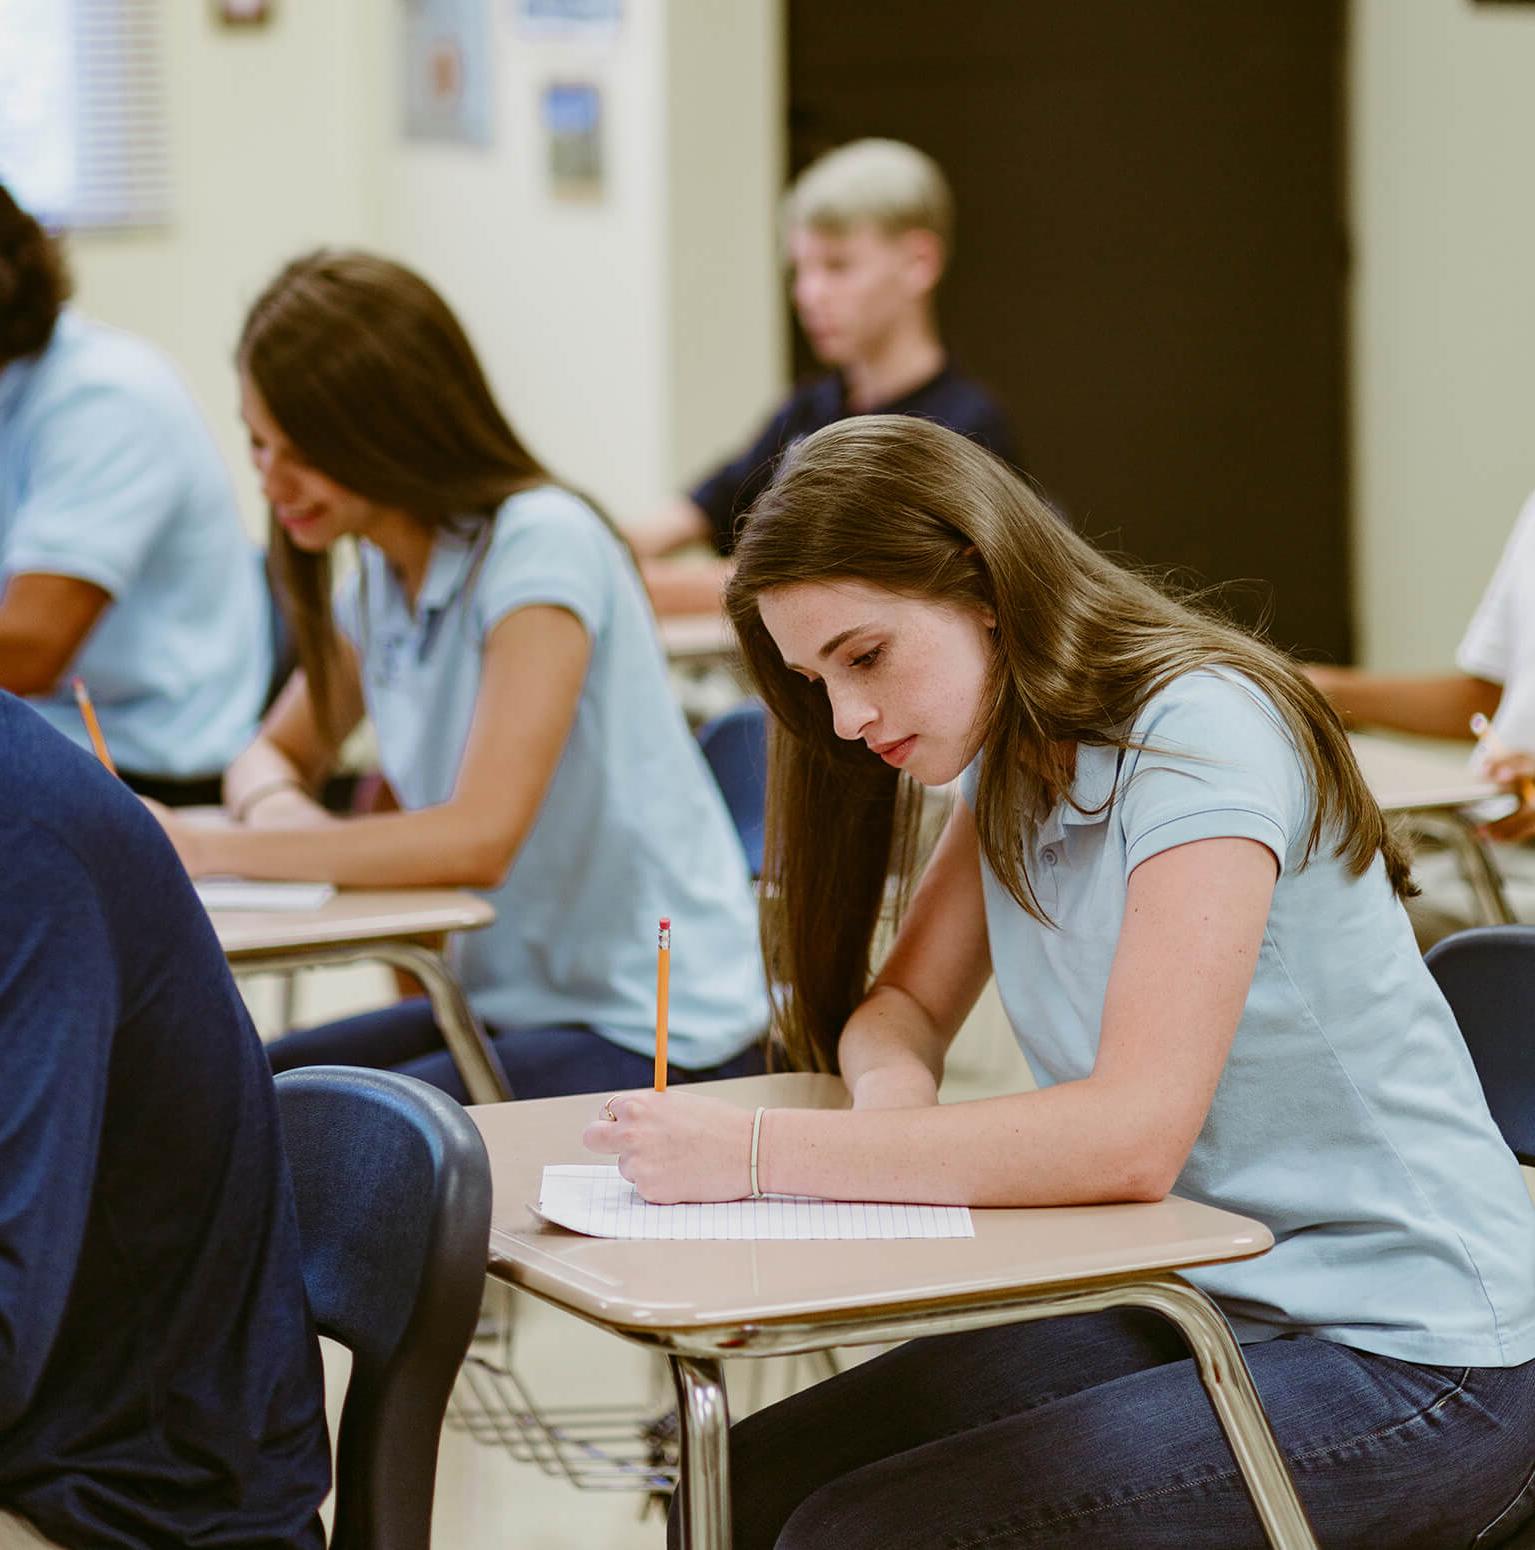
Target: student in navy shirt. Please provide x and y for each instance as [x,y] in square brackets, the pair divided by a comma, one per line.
[160,1379]
[869,228]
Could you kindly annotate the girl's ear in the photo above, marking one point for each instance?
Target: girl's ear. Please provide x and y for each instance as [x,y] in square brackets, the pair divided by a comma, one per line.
[989,618]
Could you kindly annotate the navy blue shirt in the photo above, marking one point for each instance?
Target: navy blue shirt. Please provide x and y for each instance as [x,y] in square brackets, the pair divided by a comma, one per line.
[949,399]
[160,1379]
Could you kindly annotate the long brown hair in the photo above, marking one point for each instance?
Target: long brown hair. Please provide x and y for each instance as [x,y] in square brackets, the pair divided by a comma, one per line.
[1081,644]
[373,380]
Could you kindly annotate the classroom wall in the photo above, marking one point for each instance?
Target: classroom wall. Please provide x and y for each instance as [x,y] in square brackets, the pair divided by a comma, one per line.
[633,338]
[1443,122]
[637,338]
[269,135]
[636,335]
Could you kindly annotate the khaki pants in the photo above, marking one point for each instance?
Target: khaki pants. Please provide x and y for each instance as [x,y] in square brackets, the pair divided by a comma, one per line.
[17,1534]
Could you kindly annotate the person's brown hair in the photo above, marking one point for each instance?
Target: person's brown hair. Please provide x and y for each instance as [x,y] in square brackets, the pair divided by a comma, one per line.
[373,380]
[1081,644]
[34,282]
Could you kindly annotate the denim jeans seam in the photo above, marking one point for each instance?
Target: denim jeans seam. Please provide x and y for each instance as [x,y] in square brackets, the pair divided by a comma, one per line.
[1311,1455]
[1219,1477]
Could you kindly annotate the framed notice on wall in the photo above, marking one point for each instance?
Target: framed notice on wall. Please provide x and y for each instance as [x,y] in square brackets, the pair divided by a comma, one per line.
[572,119]
[448,75]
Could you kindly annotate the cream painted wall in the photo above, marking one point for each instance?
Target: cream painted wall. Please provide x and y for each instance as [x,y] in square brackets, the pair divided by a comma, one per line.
[589,315]
[271,154]
[1443,130]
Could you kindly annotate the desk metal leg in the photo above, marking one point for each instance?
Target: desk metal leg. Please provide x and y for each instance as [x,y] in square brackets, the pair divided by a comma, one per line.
[1223,1371]
[481,1072]
[1458,835]
[704,1487]
[461,1031]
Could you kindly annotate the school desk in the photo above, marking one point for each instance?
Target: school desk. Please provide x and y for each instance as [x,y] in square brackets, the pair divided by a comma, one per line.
[697,638]
[403,927]
[1429,788]
[700,1302]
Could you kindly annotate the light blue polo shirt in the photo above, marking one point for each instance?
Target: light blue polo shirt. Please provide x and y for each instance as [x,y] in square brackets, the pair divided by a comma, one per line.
[109,475]
[1348,1118]
[633,826]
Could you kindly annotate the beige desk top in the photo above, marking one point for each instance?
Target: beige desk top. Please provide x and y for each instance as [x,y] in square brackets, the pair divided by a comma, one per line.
[1406,775]
[674,1286]
[354,915]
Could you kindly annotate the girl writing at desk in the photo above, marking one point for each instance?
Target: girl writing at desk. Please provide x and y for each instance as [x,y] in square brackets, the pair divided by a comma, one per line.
[1166,855]
[496,633]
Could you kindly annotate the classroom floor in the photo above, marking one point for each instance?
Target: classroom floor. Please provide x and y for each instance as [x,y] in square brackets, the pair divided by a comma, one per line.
[487,1499]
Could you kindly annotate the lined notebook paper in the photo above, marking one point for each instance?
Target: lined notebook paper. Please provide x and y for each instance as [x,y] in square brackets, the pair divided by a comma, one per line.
[595,1200]
[241,893]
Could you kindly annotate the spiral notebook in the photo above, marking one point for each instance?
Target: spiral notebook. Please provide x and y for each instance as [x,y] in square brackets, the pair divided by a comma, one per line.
[594,1199]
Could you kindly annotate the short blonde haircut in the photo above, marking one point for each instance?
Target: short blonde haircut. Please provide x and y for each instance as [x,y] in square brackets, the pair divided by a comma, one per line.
[887,183]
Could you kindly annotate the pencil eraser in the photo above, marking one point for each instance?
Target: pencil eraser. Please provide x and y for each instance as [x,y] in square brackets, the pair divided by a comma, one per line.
[666,922]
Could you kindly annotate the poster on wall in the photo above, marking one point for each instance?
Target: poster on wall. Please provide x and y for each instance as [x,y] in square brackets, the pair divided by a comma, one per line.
[448,47]
[572,119]
[554,18]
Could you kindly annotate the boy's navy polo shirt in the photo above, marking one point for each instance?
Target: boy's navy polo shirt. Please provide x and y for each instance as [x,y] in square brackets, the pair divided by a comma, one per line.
[160,1380]
[948,399]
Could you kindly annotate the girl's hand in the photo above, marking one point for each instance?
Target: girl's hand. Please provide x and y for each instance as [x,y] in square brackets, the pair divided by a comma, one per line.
[182,835]
[1516,771]
[676,1146]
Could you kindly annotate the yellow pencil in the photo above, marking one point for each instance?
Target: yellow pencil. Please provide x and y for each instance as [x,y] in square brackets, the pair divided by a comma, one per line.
[92,725]
[663,991]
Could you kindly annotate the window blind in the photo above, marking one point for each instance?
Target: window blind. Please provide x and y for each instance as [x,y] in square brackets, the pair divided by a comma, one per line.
[83,139]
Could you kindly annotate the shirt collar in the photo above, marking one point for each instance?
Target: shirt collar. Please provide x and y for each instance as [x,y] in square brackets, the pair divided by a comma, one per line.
[1092,787]
[446,571]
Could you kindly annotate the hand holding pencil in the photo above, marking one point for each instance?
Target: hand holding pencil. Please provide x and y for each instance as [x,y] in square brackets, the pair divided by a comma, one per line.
[1516,771]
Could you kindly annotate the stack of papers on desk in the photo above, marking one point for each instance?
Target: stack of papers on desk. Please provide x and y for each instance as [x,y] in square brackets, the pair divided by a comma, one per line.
[598,1201]
[242,893]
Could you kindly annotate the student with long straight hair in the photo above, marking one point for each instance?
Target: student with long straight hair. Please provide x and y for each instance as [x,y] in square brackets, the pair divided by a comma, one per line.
[496,633]
[1165,853]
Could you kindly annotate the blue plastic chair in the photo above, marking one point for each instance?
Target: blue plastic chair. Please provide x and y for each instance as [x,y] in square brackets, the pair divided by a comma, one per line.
[393,1191]
[735,744]
[1488,977]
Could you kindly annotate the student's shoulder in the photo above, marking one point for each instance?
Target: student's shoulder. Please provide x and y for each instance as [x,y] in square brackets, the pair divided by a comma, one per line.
[107,384]
[549,516]
[1215,703]
[60,809]
[966,405]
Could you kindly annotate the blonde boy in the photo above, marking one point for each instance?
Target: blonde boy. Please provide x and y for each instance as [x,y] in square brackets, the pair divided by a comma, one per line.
[867,231]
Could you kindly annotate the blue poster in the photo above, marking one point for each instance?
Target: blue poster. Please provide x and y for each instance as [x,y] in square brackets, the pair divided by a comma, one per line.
[448,70]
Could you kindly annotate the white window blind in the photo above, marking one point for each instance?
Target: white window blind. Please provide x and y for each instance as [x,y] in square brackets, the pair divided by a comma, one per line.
[82,112]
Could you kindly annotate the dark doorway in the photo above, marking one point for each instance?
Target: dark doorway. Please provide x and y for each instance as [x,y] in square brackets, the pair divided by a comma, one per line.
[1151,260]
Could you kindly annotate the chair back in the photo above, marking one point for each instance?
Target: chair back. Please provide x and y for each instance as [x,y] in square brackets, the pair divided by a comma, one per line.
[393,1190]
[735,744]
[1488,977]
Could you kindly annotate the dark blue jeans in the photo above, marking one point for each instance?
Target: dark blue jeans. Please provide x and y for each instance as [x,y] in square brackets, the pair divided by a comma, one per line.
[1094,1432]
[538,1062]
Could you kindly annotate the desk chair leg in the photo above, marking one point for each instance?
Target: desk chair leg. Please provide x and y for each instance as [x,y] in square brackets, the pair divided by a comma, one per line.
[461,1031]
[1223,1371]
[704,1487]
[1478,869]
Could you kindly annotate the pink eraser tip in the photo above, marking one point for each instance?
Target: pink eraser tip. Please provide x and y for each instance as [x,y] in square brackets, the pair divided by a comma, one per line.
[666,923]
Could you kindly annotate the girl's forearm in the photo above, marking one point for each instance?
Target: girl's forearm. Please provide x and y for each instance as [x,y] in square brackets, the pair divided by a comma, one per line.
[432,847]
[1076,1143]
[890,1048]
